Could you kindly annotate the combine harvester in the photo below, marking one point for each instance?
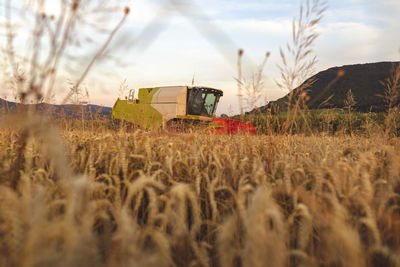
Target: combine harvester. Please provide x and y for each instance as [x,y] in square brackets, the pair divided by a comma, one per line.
[177,107]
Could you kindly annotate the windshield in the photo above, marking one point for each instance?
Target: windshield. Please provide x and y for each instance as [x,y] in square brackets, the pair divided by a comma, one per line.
[210,103]
[202,103]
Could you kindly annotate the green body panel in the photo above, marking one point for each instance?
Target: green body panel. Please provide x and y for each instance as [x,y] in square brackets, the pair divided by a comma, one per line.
[189,117]
[140,113]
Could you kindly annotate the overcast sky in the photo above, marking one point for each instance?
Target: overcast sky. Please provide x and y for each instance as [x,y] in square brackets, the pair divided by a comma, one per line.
[203,41]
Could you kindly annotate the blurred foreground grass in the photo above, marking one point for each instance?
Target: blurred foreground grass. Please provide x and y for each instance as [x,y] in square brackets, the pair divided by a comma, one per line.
[121,198]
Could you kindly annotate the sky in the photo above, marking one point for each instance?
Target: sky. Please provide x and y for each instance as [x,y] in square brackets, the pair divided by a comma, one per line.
[160,45]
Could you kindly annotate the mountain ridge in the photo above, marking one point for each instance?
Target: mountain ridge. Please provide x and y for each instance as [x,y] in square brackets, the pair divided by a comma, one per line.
[68,111]
[364,80]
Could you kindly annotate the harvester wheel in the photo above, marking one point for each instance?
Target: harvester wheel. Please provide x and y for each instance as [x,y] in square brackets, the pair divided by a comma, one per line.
[185,126]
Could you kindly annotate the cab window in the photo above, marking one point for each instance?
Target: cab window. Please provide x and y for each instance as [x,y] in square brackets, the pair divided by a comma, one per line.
[210,103]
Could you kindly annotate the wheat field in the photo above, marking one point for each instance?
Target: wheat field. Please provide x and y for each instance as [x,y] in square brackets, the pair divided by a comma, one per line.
[121,198]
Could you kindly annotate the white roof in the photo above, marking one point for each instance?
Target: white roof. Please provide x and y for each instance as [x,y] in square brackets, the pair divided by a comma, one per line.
[168,94]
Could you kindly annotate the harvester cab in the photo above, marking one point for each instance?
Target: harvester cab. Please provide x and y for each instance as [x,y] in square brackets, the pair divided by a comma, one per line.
[156,107]
[202,101]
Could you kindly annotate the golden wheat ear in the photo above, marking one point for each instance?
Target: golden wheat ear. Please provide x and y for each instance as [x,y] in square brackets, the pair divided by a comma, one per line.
[369,233]
[230,241]
[11,227]
[51,146]
[134,246]
[141,199]
[298,258]
[265,231]
[226,201]
[185,206]
[286,201]
[382,256]
[358,208]
[300,228]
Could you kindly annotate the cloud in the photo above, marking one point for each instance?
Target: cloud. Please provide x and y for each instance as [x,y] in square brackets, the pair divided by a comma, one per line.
[354,42]
[274,28]
[385,3]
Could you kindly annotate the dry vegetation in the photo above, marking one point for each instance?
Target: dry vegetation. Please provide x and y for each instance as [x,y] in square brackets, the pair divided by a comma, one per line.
[101,197]
[146,199]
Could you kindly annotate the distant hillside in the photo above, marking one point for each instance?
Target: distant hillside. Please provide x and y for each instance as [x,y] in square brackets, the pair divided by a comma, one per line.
[62,111]
[364,80]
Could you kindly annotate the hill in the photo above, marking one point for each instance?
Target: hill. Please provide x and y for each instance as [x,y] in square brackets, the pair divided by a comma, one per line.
[364,80]
[62,111]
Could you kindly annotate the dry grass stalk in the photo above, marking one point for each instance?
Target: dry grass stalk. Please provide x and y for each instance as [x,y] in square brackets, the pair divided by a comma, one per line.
[391,97]
[298,60]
